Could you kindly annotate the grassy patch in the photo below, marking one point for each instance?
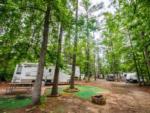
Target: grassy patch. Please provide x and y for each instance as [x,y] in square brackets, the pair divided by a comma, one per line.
[85,91]
[13,103]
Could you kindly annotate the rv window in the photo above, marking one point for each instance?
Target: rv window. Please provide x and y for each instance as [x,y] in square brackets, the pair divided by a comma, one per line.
[50,70]
[19,69]
[30,65]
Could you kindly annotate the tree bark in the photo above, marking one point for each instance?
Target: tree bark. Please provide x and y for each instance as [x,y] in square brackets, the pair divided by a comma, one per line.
[147,61]
[87,51]
[95,69]
[38,82]
[134,58]
[146,56]
[75,50]
[58,60]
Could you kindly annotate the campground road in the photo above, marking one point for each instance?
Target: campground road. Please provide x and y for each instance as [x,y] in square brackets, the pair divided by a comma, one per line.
[124,97]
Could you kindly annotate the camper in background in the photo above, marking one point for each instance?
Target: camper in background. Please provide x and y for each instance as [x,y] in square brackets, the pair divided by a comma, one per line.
[110,77]
[131,77]
[27,72]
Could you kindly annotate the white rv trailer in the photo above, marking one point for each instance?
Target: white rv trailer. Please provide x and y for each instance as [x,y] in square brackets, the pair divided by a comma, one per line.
[27,73]
[77,71]
[131,77]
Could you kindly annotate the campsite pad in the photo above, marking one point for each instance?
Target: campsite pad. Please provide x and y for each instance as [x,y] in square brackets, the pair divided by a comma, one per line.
[13,103]
[85,91]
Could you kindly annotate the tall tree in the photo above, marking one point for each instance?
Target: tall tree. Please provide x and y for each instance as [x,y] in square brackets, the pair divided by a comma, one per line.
[38,82]
[63,16]
[58,61]
[75,49]
[86,4]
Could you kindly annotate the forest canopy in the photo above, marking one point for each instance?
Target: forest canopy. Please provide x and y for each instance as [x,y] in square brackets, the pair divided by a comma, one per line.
[122,46]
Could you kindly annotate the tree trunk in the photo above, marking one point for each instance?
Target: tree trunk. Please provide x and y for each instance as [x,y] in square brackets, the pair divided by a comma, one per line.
[95,71]
[37,85]
[58,60]
[87,51]
[147,61]
[134,58]
[146,56]
[103,76]
[75,50]
[113,67]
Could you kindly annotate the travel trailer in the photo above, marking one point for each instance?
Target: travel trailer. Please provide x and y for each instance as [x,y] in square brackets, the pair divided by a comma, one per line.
[77,71]
[27,72]
[131,77]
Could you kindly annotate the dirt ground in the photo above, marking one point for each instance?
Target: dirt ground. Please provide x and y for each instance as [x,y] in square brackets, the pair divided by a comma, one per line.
[121,98]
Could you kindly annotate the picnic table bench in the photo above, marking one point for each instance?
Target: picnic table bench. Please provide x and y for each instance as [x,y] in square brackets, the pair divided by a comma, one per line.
[13,86]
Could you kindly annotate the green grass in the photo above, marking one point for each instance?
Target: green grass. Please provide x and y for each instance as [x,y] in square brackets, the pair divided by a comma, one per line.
[85,91]
[13,103]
